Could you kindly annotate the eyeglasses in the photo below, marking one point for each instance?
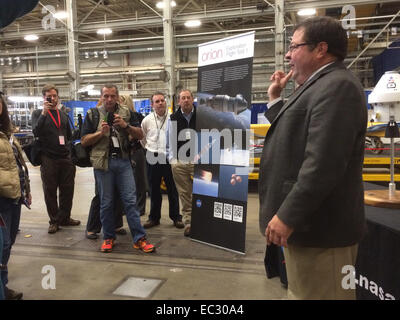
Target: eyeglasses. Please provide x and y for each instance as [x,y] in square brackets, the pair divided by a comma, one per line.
[293,47]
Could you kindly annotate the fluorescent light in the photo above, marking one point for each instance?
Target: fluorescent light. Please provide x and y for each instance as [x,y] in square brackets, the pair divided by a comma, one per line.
[307,12]
[104,31]
[160,4]
[25,99]
[60,15]
[192,23]
[31,37]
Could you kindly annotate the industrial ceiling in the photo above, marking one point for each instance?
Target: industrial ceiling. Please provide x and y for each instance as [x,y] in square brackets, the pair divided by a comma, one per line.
[137,26]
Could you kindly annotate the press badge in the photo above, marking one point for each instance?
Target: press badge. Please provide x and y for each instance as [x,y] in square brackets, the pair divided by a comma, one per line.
[115,142]
[61,140]
[187,135]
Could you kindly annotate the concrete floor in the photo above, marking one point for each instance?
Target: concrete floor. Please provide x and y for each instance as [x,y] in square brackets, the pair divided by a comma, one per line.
[181,269]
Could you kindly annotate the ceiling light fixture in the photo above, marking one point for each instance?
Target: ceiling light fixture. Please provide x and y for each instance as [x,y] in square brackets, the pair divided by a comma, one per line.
[307,12]
[1,61]
[160,4]
[87,55]
[31,37]
[105,54]
[95,54]
[10,61]
[60,15]
[192,23]
[104,31]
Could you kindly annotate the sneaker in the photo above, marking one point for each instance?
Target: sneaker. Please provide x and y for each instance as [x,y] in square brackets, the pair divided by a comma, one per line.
[53,228]
[143,245]
[107,245]
[11,294]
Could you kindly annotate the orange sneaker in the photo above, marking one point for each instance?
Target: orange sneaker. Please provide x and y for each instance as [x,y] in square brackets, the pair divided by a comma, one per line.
[107,245]
[143,245]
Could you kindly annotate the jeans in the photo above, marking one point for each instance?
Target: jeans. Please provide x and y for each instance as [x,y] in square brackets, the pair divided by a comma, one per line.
[11,213]
[119,174]
[94,222]
[1,254]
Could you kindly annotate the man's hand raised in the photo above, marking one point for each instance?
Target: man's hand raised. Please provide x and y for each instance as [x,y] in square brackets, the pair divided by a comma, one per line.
[279,80]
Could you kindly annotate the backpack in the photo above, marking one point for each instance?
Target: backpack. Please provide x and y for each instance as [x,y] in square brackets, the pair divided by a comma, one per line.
[80,155]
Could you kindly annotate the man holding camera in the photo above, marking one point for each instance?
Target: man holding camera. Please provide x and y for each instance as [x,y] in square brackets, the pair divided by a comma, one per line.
[109,142]
[51,126]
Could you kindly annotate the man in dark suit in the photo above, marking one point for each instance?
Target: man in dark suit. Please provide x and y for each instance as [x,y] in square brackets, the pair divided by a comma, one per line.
[310,186]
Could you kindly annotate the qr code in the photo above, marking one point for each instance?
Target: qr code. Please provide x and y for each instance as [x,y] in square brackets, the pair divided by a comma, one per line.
[227,211]
[218,209]
[238,213]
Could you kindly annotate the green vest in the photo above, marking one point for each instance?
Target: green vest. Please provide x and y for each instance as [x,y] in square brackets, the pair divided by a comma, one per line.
[100,151]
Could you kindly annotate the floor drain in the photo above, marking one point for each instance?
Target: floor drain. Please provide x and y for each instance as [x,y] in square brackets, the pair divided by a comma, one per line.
[138,287]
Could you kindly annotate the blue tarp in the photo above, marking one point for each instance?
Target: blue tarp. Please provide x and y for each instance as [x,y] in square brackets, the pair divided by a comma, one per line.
[388,60]
[86,105]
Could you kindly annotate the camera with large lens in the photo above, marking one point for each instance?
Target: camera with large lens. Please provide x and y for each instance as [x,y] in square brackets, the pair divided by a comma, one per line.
[110,118]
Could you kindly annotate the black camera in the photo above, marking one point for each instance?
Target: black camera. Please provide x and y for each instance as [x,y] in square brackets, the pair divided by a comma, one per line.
[110,118]
[49,100]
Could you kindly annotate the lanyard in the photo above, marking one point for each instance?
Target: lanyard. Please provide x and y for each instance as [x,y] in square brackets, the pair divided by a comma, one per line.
[155,119]
[54,120]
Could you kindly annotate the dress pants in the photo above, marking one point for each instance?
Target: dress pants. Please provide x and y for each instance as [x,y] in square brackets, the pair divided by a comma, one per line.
[158,171]
[141,180]
[183,177]
[316,273]
[58,174]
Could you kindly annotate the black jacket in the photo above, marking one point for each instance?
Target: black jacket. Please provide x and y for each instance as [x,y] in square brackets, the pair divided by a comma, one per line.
[182,124]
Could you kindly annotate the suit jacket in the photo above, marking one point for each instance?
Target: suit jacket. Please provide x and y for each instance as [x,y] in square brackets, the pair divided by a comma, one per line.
[311,165]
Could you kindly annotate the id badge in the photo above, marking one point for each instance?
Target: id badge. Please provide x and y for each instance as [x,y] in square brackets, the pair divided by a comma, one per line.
[61,140]
[115,142]
[187,135]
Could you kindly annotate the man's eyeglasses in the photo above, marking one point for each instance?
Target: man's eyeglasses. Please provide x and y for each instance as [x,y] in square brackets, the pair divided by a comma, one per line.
[293,47]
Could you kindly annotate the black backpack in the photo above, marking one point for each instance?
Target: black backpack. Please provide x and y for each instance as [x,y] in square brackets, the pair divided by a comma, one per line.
[80,155]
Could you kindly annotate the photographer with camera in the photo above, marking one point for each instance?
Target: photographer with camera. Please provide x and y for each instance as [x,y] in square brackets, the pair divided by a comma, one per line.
[51,126]
[112,167]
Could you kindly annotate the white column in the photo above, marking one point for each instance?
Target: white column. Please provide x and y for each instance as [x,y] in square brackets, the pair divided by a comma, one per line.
[73,52]
[279,37]
[169,47]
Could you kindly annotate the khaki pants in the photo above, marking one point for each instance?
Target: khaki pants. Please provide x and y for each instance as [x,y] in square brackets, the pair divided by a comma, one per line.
[316,273]
[183,177]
